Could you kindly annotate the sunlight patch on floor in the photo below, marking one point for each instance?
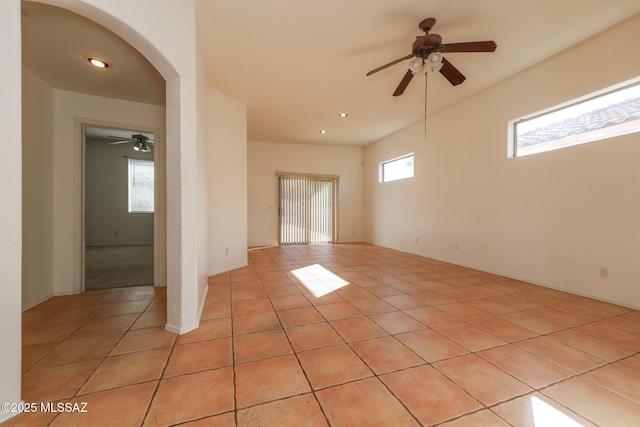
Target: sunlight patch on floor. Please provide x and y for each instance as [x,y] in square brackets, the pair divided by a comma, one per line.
[545,415]
[319,280]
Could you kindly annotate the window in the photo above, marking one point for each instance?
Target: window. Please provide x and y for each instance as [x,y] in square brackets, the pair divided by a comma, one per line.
[140,185]
[398,168]
[612,113]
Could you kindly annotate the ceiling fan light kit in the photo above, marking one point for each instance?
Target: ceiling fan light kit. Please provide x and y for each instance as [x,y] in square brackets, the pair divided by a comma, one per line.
[435,61]
[142,147]
[141,142]
[416,66]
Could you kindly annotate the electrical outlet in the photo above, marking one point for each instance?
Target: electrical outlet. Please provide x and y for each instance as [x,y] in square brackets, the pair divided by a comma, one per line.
[115,233]
[604,272]
[226,251]
[417,240]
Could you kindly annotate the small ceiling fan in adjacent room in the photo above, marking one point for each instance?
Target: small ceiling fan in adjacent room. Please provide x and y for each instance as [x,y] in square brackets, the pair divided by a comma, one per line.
[428,51]
[141,142]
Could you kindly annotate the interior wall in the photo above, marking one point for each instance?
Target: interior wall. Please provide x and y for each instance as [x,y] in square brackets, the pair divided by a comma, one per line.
[551,218]
[37,190]
[11,207]
[227,183]
[108,221]
[203,170]
[267,158]
[70,111]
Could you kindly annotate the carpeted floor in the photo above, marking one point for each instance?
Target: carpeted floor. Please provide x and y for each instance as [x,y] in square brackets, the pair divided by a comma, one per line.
[118,266]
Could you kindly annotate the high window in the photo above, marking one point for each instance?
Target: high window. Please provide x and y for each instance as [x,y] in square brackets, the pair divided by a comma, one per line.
[140,186]
[611,113]
[395,169]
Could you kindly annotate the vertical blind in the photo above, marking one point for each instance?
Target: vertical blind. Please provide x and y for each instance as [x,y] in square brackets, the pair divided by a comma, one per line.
[307,208]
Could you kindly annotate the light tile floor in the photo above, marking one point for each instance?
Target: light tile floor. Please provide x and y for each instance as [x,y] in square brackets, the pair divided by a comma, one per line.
[407,341]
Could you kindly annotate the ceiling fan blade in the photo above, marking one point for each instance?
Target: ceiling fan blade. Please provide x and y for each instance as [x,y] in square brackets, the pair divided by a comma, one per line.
[451,73]
[126,141]
[484,46]
[403,83]
[404,58]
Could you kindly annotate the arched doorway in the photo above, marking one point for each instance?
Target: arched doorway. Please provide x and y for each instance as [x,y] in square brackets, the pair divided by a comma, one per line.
[174,56]
[56,46]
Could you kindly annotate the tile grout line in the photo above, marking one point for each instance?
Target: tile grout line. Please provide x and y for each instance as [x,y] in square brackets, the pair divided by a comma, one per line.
[333,260]
[295,353]
[75,395]
[233,355]
[348,344]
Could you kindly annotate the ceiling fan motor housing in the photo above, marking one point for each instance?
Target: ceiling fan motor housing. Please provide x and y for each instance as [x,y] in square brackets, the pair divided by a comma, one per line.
[424,45]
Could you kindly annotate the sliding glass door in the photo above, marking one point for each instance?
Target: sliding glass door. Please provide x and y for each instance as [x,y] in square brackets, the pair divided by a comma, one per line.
[307,209]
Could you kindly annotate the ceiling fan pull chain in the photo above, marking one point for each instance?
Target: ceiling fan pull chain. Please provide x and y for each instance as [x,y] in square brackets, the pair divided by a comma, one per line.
[426,81]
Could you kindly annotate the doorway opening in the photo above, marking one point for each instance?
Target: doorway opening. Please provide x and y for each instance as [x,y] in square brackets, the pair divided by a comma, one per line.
[307,211]
[119,208]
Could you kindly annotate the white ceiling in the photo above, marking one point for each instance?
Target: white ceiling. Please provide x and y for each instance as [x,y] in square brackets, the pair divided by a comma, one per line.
[55,43]
[297,64]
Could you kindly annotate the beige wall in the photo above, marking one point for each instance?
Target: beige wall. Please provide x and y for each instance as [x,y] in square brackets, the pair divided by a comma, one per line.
[107,217]
[265,158]
[201,239]
[227,183]
[551,218]
[37,190]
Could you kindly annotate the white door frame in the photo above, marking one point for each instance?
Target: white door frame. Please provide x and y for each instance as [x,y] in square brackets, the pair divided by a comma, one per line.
[160,204]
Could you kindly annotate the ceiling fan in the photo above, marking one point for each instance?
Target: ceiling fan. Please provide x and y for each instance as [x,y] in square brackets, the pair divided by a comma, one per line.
[429,49]
[140,142]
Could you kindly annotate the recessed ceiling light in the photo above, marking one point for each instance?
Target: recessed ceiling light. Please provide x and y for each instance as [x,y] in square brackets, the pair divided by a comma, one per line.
[343,115]
[97,62]
[323,131]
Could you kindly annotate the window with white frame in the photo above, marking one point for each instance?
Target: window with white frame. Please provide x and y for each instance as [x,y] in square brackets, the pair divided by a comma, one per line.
[141,196]
[610,113]
[395,169]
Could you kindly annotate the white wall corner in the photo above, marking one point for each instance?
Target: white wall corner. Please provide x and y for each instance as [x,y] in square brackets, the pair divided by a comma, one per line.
[183,330]
[226,164]
[11,208]
[30,304]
